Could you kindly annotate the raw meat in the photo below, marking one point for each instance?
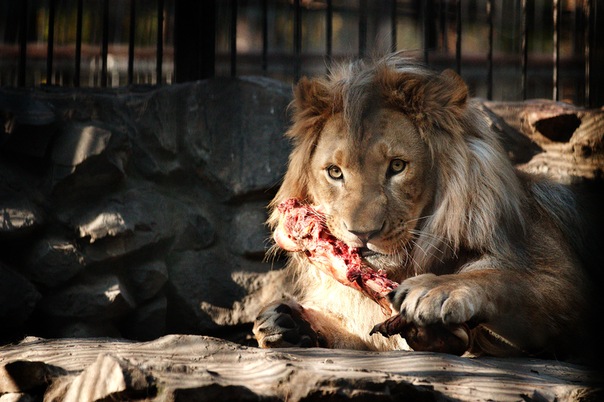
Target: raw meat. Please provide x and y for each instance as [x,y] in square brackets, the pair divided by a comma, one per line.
[302,228]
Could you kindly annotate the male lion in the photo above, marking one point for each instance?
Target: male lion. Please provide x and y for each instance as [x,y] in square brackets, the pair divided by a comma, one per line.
[409,171]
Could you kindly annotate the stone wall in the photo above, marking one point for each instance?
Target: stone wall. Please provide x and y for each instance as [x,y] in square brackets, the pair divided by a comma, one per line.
[137,213]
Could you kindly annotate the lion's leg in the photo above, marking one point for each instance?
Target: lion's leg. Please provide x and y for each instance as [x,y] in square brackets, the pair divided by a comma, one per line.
[287,323]
[524,309]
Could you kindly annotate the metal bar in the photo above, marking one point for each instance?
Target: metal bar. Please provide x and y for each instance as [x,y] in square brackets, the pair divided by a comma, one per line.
[160,42]
[297,39]
[194,39]
[264,35]
[443,9]
[597,56]
[524,49]
[206,13]
[458,36]
[490,13]
[132,35]
[233,35]
[51,40]
[587,51]
[362,28]
[393,29]
[78,49]
[105,43]
[22,67]
[556,72]
[426,38]
[329,31]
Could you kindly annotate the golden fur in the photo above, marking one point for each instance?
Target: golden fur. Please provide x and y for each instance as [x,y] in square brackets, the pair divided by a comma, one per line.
[471,238]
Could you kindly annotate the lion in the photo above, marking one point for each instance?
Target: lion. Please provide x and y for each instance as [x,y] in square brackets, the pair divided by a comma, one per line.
[407,168]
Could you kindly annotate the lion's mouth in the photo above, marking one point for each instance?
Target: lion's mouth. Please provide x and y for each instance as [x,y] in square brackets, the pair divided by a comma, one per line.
[367,253]
[373,258]
[380,260]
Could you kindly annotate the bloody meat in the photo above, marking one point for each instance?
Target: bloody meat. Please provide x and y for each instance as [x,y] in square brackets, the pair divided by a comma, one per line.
[303,229]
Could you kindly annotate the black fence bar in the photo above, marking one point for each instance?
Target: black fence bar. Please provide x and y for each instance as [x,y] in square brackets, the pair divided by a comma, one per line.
[524,48]
[105,43]
[393,27]
[22,68]
[194,39]
[160,42]
[78,49]
[587,50]
[442,11]
[264,35]
[458,36]
[51,40]
[329,31]
[362,28]
[596,58]
[425,28]
[233,38]
[131,37]
[490,12]
[297,39]
[556,43]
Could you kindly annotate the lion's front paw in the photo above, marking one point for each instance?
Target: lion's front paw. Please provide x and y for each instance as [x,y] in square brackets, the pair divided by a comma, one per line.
[430,299]
[281,324]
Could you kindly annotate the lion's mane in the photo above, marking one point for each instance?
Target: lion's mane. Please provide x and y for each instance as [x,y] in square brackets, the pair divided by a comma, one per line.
[480,198]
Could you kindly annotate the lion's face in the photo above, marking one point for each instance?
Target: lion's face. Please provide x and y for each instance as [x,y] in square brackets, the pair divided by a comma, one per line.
[386,152]
[375,189]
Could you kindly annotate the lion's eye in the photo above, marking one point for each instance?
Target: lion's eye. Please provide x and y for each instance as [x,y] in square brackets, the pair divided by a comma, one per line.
[397,166]
[335,172]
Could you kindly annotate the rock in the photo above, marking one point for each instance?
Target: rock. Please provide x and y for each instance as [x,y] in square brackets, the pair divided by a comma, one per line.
[109,378]
[250,236]
[53,260]
[261,289]
[18,298]
[148,322]
[80,328]
[29,124]
[88,156]
[247,152]
[184,127]
[196,277]
[99,296]
[23,375]
[198,233]
[79,142]
[20,217]
[147,279]
[129,222]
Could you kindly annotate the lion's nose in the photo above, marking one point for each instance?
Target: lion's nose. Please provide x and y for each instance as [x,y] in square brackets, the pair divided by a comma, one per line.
[363,234]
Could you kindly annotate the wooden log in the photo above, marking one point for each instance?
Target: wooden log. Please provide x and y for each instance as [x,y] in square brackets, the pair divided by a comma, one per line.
[565,142]
[187,367]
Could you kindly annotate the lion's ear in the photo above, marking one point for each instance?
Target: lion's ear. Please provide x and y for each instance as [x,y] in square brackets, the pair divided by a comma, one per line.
[454,93]
[311,97]
[428,99]
[445,97]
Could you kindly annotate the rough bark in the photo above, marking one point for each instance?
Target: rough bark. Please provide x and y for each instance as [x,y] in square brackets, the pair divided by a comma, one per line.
[187,367]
